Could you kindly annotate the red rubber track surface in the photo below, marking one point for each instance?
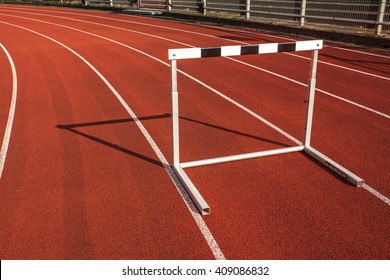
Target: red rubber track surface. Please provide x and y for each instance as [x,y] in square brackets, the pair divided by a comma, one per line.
[80,180]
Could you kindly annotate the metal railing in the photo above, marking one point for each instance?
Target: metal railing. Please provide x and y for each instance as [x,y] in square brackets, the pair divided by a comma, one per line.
[367,16]
[363,15]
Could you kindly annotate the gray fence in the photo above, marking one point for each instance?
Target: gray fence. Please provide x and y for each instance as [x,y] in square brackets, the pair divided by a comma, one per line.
[362,15]
[366,16]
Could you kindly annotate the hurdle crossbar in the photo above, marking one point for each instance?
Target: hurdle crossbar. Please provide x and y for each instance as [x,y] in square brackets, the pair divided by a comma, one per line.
[224,51]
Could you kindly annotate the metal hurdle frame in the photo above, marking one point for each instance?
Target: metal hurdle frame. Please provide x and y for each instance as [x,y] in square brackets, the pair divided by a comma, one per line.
[191,53]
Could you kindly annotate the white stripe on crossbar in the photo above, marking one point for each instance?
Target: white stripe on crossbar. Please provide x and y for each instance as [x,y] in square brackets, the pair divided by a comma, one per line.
[308,45]
[185,53]
[230,50]
[268,48]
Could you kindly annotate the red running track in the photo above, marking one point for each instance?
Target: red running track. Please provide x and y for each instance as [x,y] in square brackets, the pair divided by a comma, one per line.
[86,177]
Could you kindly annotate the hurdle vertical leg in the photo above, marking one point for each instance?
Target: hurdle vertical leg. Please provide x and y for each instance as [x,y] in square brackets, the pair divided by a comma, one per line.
[196,197]
[310,98]
[175,115]
[331,164]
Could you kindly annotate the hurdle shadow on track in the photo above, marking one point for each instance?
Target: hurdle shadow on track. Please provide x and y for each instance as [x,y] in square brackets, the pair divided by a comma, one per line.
[235,132]
[73,128]
[342,180]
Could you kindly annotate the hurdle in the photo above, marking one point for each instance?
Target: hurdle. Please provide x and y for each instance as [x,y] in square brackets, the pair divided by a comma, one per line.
[238,50]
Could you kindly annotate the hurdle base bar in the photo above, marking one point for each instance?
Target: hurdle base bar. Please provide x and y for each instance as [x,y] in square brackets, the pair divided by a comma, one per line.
[240,157]
[193,192]
[202,205]
[334,166]
[195,195]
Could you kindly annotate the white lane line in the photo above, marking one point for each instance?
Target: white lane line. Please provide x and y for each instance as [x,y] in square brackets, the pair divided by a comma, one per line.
[361,52]
[196,80]
[376,193]
[238,61]
[242,107]
[8,129]
[85,13]
[215,91]
[342,67]
[180,71]
[317,89]
[212,243]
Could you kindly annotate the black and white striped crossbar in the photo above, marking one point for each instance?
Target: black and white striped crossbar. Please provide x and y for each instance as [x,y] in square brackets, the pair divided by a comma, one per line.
[186,53]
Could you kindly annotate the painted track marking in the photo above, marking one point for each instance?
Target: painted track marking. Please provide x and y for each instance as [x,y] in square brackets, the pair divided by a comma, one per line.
[187,31]
[317,89]
[377,194]
[374,192]
[11,115]
[182,72]
[236,60]
[206,35]
[191,207]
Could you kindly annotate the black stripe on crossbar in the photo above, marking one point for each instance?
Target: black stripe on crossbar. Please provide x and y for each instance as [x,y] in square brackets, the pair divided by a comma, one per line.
[286,47]
[210,52]
[254,49]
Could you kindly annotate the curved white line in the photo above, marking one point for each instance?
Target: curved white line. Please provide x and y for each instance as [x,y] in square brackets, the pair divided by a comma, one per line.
[235,60]
[8,129]
[190,205]
[187,31]
[182,72]
[205,85]
[377,194]
[343,67]
[361,52]
[317,89]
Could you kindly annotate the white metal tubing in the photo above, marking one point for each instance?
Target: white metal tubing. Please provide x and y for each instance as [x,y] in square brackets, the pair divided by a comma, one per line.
[175,114]
[310,98]
[196,197]
[335,167]
[240,157]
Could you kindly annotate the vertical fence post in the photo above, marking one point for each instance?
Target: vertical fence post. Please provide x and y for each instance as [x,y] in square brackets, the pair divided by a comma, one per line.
[204,6]
[138,4]
[303,13]
[248,8]
[169,5]
[381,14]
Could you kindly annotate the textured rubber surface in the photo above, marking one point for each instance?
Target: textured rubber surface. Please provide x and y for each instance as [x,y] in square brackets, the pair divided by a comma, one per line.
[80,180]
